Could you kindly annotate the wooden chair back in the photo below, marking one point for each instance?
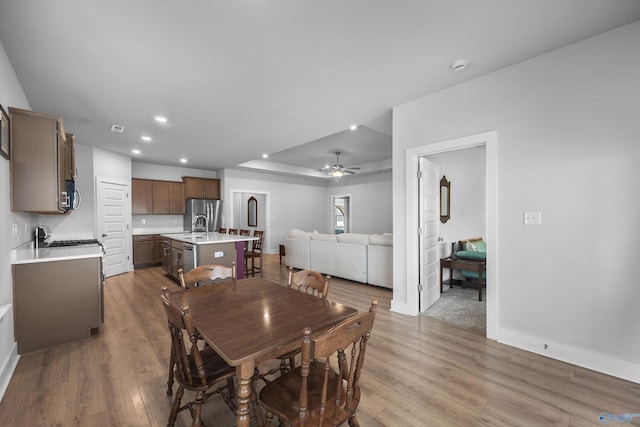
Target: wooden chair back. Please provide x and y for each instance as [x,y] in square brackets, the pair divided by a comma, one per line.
[233,231]
[179,320]
[256,245]
[206,274]
[328,395]
[222,230]
[244,232]
[195,367]
[309,281]
[340,390]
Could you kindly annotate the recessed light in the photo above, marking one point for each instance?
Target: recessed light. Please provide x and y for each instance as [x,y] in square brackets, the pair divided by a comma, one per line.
[265,155]
[183,160]
[353,127]
[135,151]
[145,138]
[160,119]
[459,65]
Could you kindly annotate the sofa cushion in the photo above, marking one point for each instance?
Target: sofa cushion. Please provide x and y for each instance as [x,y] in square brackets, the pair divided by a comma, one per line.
[381,239]
[298,234]
[323,237]
[361,239]
[482,256]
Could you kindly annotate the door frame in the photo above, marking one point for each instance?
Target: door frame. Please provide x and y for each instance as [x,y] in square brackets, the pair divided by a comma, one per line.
[490,140]
[267,214]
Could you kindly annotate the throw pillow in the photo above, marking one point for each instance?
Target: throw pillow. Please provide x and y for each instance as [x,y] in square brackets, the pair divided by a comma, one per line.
[476,246]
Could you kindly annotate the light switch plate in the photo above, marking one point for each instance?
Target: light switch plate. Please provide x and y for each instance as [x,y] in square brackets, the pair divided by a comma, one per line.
[532,218]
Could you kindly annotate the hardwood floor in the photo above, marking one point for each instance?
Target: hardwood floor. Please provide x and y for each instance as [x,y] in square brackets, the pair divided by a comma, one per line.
[418,372]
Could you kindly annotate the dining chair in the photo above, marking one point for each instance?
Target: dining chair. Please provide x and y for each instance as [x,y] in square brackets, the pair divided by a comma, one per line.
[233,231]
[255,252]
[316,394]
[311,282]
[202,275]
[206,274]
[222,230]
[244,232]
[194,369]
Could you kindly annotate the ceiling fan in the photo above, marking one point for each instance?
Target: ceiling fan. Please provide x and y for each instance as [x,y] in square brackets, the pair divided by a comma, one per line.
[337,171]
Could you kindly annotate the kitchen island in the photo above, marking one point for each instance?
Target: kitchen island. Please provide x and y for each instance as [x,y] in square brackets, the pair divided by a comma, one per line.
[194,249]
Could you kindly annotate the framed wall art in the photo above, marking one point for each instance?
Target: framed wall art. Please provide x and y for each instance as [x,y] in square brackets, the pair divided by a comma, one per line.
[4,133]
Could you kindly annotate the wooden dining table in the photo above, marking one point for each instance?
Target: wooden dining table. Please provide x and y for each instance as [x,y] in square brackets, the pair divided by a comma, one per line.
[255,321]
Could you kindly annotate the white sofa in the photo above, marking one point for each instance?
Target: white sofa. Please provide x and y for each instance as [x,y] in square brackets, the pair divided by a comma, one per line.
[360,257]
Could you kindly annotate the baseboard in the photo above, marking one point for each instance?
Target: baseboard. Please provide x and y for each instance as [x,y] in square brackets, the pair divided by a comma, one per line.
[8,367]
[595,361]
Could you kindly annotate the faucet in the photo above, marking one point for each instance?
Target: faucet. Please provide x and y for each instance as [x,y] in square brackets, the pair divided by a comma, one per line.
[196,218]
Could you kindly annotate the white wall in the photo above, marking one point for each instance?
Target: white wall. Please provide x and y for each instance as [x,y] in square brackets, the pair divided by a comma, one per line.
[568,146]
[370,199]
[295,202]
[11,94]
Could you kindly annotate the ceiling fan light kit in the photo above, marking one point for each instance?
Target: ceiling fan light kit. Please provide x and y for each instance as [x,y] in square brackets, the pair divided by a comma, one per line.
[338,171]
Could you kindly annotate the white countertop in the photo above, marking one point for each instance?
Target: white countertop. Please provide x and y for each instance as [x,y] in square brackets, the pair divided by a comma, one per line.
[28,254]
[207,238]
[156,230]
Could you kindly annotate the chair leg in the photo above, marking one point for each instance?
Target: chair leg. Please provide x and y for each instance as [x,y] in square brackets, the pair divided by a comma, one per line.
[170,379]
[231,387]
[353,422]
[292,363]
[197,410]
[175,407]
[283,366]
[257,409]
[268,418]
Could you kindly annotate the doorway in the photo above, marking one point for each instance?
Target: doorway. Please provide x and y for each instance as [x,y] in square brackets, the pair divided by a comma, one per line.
[413,259]
[238,213]
[341,215]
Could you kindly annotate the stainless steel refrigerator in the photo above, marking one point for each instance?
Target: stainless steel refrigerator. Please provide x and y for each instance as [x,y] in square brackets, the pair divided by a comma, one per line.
[203,215]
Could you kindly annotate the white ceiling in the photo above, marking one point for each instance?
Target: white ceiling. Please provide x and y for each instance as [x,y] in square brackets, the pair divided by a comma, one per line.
[240,78]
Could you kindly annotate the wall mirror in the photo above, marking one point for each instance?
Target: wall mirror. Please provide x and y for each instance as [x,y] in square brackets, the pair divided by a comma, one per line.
[445,199]
[252,212]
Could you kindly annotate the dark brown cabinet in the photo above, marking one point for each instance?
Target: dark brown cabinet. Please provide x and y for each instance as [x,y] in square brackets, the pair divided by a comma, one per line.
[147,250]
[150,196]
[201,188]
[143,254]
[42,159]
[141,196]
[177,259]
[168,198]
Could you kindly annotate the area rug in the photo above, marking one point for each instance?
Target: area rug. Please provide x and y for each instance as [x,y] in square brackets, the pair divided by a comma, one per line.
[460,307]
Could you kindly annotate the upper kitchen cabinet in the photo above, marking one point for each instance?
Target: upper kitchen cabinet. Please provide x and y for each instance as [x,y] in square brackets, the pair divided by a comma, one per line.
[141,196]
[149,196]
[42,163]
[201,188]
[168,198]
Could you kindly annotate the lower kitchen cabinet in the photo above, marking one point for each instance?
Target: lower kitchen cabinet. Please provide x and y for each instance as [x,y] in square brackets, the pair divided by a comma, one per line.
[56,302]
[147,250]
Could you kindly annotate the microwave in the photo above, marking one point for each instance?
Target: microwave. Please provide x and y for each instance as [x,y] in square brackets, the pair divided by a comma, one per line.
[68,199]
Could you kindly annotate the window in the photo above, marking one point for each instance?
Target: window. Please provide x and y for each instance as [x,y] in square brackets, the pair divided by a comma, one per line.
[340,215]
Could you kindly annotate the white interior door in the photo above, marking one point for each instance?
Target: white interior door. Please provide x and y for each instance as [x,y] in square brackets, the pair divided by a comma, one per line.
[113,224]
[429,217]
